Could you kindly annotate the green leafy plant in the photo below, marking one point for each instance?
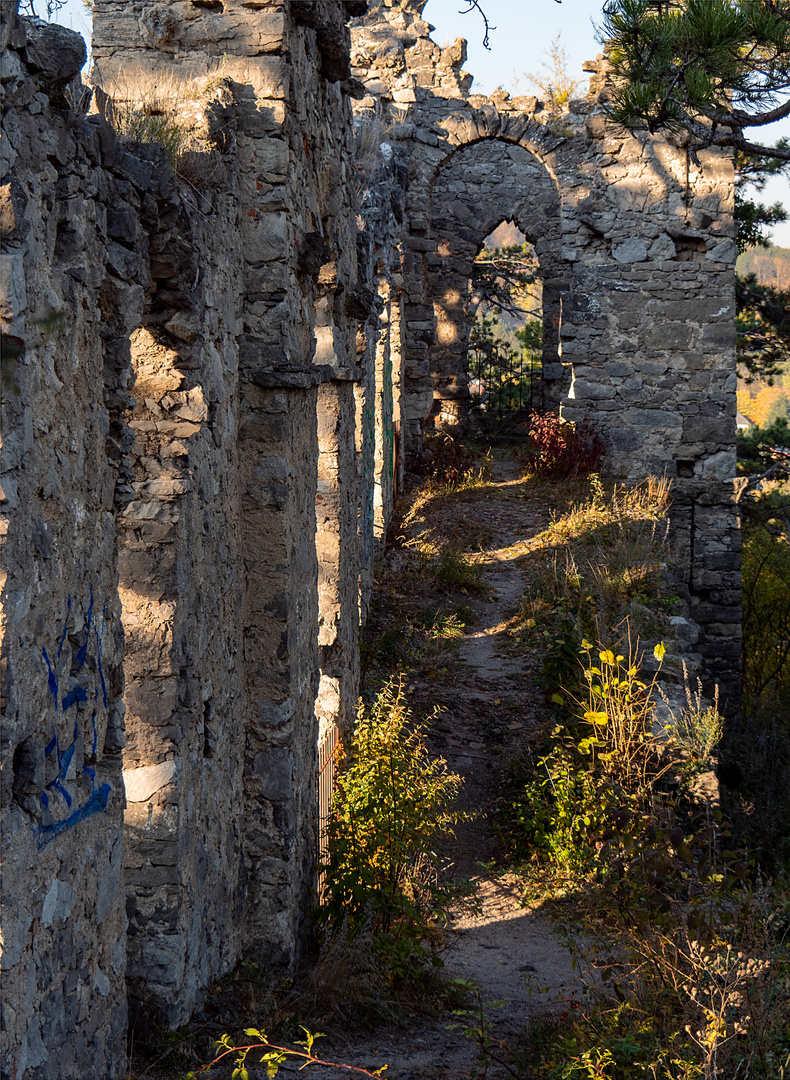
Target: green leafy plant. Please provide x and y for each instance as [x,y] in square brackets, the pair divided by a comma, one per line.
[599,769]
[391,809]
[274,1056]
[686,953]
[451,462]
[475,1025]
[455,573]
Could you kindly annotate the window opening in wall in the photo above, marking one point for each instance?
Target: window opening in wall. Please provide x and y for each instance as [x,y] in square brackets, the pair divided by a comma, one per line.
[505,355]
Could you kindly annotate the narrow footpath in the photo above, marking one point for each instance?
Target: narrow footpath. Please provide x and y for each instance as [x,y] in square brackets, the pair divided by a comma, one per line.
[491,699]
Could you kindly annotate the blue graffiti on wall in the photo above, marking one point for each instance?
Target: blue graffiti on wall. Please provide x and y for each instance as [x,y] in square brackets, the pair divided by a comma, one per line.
[96,803]
[75,696]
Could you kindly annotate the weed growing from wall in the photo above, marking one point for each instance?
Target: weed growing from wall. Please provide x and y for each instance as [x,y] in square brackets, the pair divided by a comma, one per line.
[172,112]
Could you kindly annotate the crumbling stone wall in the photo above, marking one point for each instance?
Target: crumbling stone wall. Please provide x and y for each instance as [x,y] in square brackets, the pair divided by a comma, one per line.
[237,316]
[213,396]
[296,338]
[380,185]
[63,392]
[181,589]
[637,250]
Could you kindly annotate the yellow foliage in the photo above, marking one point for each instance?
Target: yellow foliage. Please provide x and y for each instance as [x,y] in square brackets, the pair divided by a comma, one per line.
[763,403]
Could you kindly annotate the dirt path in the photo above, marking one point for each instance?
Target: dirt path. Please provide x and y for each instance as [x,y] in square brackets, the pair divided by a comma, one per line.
[491,701]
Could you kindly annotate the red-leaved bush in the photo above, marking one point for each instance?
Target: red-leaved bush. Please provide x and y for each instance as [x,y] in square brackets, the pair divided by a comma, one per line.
[449,459]
[561,450]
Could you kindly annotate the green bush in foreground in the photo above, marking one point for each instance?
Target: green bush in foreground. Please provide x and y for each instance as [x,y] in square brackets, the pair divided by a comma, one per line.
[685,960]
[390,811]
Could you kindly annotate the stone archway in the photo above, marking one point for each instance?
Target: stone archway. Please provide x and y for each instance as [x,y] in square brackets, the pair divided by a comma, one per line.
[476,188]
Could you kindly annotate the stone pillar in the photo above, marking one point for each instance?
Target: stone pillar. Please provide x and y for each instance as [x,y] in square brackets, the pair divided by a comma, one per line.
[385,430]
[401,446]
[64,371]
[278,462]
[181,587]
[299,267]
[365,446]
[337,540]
[417,395]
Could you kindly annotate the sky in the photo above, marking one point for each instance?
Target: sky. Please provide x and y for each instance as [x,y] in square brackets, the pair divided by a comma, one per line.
[524,30]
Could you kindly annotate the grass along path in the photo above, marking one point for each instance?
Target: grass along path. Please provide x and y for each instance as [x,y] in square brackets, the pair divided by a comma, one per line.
[472,596]
[447,593]
[492,702]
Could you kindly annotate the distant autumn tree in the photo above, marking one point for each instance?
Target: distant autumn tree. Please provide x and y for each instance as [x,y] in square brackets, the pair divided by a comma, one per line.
[769,403]
[501,280]
[763,312]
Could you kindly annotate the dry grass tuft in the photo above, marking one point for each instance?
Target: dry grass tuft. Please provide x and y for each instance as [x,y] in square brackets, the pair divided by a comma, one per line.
[603,563]
[172,108]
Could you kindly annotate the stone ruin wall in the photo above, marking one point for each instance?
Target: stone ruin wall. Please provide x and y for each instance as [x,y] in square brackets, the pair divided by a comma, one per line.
[215,368]
[64,926]
[216,394]
[636,243]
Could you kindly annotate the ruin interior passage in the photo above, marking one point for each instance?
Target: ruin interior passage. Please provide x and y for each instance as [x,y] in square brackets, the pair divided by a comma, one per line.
[221,359]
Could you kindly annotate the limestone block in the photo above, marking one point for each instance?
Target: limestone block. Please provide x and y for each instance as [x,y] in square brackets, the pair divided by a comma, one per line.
[668,335]
[13,298]
[109,883]
[183,326]
[725,252]
[10,66]
[265,237]
[630,251]
[653,418]
[270,159]
[685,630]
[58,902]
[721,466]
[591,391]
[57,53]
[700,429]
[663,247]
[191,404]
[142,783]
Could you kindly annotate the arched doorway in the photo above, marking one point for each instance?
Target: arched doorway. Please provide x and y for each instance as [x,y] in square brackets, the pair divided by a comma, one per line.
[476,189]
[505,314]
